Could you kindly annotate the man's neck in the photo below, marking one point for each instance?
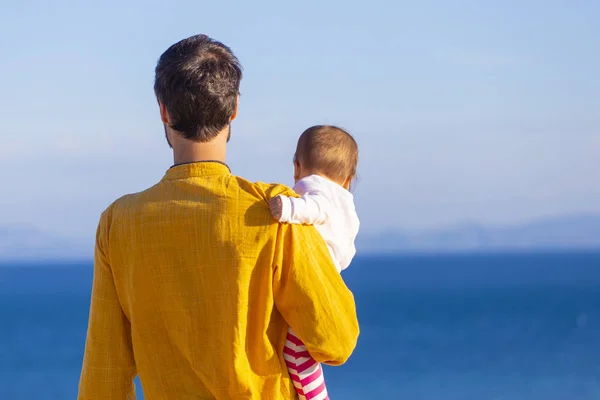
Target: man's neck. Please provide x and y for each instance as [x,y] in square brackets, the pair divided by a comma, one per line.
[198,152]
[188,151]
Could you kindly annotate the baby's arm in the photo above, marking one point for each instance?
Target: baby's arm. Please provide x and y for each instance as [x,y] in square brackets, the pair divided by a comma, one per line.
[310,209]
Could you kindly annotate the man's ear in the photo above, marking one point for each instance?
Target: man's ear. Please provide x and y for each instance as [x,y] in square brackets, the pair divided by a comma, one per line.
[164,115]
[234,114]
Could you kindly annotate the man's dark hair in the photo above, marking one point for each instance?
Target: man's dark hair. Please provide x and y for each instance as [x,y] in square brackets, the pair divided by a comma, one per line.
[198,82]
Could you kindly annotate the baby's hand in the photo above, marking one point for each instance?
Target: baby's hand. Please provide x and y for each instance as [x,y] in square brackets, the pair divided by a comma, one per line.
[276,207]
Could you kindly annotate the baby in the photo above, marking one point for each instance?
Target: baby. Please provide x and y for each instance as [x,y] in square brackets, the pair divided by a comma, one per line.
[324,166]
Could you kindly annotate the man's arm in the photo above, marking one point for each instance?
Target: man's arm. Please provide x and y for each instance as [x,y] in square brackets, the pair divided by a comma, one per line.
[312,297]
[108,365]
[310,209]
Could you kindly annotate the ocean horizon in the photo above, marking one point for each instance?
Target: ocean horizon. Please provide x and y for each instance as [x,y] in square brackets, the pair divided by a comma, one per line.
[462,326]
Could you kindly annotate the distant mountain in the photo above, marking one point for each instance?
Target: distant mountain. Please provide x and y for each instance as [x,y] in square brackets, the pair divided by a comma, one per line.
[18,242]
[580,232]
[562,233]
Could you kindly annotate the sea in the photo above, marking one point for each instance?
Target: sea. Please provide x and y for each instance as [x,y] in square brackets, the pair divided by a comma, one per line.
[435,327]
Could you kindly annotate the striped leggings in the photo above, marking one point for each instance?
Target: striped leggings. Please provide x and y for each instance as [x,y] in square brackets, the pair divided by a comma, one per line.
[305,372]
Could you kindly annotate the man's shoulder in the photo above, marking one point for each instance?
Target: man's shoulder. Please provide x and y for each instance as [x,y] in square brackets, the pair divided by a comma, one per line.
[131,203]
[122,203]
[265,190]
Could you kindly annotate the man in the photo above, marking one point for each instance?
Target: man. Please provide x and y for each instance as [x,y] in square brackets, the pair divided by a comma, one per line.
[194,284]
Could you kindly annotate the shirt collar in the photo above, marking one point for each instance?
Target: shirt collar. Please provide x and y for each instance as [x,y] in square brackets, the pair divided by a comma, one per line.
[197,169]
[317,182]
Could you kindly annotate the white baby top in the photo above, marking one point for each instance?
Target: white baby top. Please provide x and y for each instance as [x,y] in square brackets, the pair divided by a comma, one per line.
[330,208]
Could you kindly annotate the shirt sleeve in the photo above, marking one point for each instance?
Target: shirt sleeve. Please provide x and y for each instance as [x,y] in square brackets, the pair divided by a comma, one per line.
[312,297]
[347,255]
[310,209]
[108,365]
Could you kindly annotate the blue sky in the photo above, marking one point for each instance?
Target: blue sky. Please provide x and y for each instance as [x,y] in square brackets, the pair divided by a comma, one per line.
[464,110]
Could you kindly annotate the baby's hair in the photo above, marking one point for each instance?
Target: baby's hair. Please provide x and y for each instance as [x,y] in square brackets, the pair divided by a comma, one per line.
[328,150]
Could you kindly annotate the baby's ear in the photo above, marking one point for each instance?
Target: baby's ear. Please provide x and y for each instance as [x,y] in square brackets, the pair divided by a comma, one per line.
[348,182]
[296,171]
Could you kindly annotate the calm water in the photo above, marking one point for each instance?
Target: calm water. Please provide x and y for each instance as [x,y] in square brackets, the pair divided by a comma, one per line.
[452,327]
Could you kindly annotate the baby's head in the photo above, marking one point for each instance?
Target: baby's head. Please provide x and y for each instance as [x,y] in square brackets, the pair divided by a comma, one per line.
[328,151]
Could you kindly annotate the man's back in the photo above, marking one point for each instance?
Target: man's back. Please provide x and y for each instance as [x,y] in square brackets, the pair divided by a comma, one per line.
[195,286]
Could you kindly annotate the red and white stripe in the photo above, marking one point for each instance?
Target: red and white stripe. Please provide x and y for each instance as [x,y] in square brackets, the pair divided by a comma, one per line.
[305,372]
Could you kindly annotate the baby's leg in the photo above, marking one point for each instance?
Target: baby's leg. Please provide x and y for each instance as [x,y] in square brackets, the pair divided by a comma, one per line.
[305,372]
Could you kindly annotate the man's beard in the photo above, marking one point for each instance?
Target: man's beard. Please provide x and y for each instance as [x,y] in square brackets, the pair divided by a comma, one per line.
[228,132]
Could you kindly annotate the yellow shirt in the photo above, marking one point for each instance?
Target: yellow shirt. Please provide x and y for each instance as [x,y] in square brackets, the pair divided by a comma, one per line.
[194,287]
